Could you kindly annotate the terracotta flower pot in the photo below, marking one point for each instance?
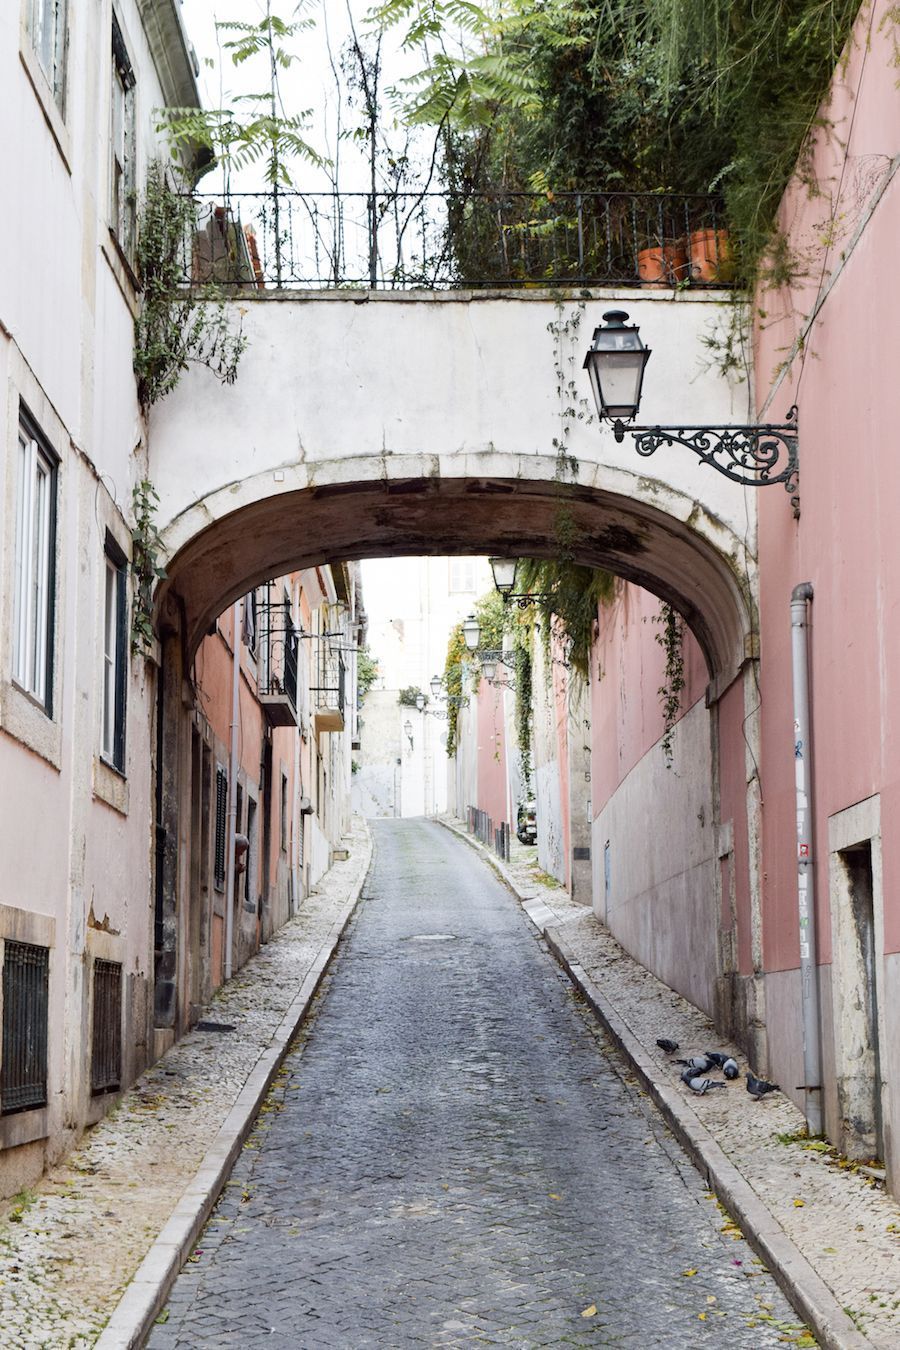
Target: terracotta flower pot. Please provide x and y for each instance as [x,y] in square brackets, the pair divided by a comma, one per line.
[662,264]
[711,258]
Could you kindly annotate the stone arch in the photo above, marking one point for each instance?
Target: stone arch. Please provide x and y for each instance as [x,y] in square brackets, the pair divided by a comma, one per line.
[370,506]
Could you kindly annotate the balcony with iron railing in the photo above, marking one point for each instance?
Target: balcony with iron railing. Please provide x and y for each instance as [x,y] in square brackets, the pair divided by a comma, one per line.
[329,691]
[452,240]
[277,642]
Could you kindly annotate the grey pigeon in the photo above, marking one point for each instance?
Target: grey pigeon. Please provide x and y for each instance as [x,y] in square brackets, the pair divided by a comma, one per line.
[730,1068]
[698,1063]
[758,1087]
[701,1085]
[665,1044]
[718,1057]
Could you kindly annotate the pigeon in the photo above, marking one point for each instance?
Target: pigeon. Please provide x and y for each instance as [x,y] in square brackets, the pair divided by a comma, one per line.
[698,1063]
[718,1057]
[758,1087]
[730,1068]
[669,1046]
[701,1085]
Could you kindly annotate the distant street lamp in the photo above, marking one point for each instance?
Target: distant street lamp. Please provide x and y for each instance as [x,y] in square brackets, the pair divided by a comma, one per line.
[420,701]
[407,727]
[754,456]
[437,685]
[471,632]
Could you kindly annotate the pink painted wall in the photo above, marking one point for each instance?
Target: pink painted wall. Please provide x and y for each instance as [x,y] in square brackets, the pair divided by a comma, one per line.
[847,541]
[492,795]
[628,670]
[560,683]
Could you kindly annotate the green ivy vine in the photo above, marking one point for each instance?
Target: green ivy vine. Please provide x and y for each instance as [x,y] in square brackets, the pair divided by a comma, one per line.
[175,327]
[146,569]
[670,636]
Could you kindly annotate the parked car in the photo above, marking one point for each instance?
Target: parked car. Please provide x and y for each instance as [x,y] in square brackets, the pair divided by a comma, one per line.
[526,823]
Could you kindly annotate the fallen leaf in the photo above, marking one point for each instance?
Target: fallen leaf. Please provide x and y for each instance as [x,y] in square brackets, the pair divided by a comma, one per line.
[553,1195]
[589,1312]
[798,1203]
[688,1273]
[710,1298]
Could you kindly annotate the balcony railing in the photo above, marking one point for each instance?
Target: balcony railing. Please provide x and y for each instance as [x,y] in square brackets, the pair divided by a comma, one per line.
[445,240]
[329,691]
[277,641]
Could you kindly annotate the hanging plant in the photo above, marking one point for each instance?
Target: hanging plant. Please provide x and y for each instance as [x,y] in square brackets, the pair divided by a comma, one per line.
[670,636]
[175,327]
[146,550]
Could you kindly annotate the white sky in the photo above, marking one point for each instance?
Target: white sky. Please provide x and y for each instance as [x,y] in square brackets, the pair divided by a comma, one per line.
[309,84]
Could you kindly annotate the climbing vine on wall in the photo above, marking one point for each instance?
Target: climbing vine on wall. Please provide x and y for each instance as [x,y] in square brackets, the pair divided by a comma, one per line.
[670,636]
[146,568]
[175,327]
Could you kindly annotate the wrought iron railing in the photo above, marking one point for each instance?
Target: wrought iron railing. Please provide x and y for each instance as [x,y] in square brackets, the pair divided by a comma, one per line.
[445,240]
[330,686]
[23,1068]
[277,641]
[106,1028]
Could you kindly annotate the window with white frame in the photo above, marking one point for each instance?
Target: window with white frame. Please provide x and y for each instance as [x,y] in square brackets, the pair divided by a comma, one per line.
[115,656]
[46,20]
[122,176]
[34,584]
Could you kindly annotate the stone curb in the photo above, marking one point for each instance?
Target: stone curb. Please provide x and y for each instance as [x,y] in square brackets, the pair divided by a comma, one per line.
[148,1289]
[804,1289]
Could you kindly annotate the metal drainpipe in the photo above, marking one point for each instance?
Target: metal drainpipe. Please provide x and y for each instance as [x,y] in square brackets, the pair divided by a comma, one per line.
[806,891]
[232,784]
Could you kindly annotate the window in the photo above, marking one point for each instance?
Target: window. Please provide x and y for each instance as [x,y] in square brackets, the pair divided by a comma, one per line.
[47,30]
[115,658]
[284,812]
[34,566]
[106,1028]
[23,1068]
[122,179]
[221,828]
[462,574]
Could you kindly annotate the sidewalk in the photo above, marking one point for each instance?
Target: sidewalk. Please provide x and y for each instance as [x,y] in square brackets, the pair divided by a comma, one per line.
[829,1237]
[124,1209]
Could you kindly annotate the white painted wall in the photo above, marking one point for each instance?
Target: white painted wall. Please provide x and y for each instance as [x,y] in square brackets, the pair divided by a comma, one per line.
[662,900]
[74,834]
[452,375]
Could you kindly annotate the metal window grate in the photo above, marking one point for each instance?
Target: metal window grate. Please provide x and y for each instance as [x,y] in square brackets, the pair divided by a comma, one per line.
[221,821]
[26,988]
[106,1030]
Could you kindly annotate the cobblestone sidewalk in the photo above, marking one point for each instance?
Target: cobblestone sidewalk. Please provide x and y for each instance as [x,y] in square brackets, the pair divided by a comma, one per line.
[69,1248]
[847,1229]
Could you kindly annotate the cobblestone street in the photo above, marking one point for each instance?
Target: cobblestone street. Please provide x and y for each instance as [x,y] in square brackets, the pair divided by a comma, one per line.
[452,1155]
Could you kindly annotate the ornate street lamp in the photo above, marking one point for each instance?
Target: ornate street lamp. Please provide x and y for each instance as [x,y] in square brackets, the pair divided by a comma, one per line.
[437,685]
[471,632]
[420,701]
[753,456]
[504,570]
[407,727]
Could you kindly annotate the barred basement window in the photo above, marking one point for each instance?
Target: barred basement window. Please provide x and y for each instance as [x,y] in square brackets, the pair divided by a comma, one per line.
[106,1031]
[26,988]
[221,827]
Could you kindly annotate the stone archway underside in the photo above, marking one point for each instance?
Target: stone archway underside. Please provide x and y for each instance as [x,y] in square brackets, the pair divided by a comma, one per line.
[277,534]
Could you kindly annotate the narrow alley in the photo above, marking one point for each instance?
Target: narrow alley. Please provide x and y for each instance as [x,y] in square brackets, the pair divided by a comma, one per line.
[453,1155]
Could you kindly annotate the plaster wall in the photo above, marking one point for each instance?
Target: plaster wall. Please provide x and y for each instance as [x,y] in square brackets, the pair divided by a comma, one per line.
[551,842]
[75,831]
[816,348]
[655,842]
[493,794]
